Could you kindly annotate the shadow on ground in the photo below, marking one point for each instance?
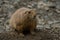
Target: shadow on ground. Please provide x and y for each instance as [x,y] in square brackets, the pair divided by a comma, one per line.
[40,35]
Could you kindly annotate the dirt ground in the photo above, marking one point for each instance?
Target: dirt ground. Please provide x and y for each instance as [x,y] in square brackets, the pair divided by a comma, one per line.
[48,15]
[40,35]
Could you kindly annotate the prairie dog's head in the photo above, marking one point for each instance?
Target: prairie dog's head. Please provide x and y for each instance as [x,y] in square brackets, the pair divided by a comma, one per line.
[31,13]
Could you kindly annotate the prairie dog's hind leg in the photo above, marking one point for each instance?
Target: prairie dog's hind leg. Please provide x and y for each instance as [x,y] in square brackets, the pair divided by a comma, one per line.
[19,29]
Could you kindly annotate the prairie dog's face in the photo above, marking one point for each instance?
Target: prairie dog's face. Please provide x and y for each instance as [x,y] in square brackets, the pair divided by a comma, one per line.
[31,14]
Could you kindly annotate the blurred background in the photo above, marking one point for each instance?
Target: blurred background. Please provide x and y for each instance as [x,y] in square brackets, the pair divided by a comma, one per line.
[48,16]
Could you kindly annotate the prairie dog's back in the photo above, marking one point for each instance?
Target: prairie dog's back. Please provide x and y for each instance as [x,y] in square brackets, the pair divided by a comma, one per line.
[22,10]
[18,16]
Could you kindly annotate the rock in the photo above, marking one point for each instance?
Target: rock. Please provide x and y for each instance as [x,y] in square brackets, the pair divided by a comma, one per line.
[42,5]
[39,27]
[47,26]
[1,29]
[56,25]
[40,20]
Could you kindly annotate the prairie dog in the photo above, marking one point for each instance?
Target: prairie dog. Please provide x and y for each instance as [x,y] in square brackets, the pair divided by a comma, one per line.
[24,19]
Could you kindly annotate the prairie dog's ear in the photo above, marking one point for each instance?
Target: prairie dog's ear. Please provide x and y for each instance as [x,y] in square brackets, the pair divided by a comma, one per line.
[30,11]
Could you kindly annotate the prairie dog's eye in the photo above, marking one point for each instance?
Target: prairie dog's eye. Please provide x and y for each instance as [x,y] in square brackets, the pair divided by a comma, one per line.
[29,12]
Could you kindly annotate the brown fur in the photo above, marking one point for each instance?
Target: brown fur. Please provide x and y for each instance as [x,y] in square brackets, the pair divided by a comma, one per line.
[23,18]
